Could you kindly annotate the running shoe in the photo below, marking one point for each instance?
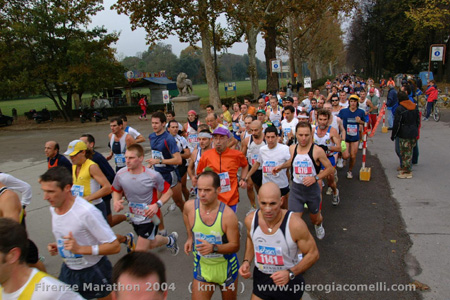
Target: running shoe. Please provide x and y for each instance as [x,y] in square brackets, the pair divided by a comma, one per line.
[128,216]
[131,245]
[349,175]
[320,231]
[336,200]
[340,163]
[424,119]
[360,146]
[405,175]
[172,207]
[174,249]
[329,191]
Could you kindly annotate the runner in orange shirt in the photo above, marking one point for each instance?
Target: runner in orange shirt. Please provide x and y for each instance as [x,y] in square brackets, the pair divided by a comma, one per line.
[225,162]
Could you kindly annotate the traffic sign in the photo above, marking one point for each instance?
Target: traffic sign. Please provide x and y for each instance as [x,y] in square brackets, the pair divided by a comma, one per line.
[307,82]
[230,86]
[276,66]
[166,98]
[437,53]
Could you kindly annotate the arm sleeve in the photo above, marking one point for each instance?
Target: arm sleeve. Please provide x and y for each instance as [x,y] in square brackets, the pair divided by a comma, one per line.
[116,186]
[162,185]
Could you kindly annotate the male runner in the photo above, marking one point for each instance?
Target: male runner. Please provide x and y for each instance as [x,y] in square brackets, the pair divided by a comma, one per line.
[205,140]
[213,236]
[343,101]
[17,279]
[54,158]
[83,237]
[327,137]
[141,185]
[225,162]
[213,122]
[351,117]
[119,140]
[138,138]
[275,236]
[146,272]
[250,147]
[305,163]
[335,105]
[271,155]
[288,125]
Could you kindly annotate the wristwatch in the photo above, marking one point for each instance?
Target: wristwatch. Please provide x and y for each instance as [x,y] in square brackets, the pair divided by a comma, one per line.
[291,274]
[215,249]
[160,160]
[317,178]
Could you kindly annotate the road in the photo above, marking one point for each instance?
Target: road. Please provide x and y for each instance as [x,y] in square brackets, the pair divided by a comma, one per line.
[386,231]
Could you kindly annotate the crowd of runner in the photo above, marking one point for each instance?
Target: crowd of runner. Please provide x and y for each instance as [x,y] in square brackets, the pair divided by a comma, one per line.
[282,152]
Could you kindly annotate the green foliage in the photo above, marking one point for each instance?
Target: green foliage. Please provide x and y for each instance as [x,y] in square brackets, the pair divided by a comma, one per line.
[45,49]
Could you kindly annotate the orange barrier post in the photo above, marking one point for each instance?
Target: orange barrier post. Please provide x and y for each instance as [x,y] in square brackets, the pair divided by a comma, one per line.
[364,173]
[384,129]
[381,115]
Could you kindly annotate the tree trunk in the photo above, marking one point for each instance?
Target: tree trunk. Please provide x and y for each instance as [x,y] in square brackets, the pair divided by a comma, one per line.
[291,50]
[211,79]
[252,35]
[270,53]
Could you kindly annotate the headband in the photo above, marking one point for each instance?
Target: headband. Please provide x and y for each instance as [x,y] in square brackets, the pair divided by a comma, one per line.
[204,135]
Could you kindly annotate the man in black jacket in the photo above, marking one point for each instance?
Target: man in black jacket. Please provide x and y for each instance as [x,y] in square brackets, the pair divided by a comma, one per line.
[406,128]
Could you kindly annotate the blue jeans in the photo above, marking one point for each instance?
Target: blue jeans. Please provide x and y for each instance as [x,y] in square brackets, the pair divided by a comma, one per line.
[390,117]
[429,107]
[415,157]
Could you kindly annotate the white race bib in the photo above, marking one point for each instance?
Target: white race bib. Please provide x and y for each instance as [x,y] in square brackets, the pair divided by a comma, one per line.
[269,259]
[120,160]
[77,190]
[69,258]
[225,182]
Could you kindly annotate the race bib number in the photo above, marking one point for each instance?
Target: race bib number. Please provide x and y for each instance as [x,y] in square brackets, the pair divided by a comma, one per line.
[69,258]
[302,169]
[193,138]
[138,211]
[268,168]
[120,160]
[225,182]
[269,259]
[352,129]
[215,239]
[77,190]
[286,131]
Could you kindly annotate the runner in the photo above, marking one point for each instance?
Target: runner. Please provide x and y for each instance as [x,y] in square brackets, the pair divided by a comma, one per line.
[351,117]
[367,106]
[205,141]
[119,140]
[54,158]
[271,155]
[335,104]
[235,121]
[225,162]
[343,101]
[250,148]
[138,138]
[213,121]
[10,207]
[327,137]
[213,236]
[146,272]
[306,180]
[142,185]
[165,159]
[191,127]
[288,125]
[185,153]
[275,236]
[248,120]
[18,280]
[143,104]
[274,113]
[83,237]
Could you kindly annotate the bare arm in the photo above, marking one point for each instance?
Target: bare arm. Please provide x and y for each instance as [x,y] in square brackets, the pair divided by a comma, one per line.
[139,139]
[191,167]
[305,242]
[244,145]
[288,163]
[246,263]
[129,140]
[186,154]
[98,175]
[336,140]
[10,206]
[103,249]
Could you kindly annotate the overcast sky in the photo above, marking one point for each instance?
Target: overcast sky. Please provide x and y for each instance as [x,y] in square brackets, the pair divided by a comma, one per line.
[131,42]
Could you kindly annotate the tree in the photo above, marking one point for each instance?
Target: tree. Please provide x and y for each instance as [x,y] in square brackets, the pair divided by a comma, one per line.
[44,49]
[192,21]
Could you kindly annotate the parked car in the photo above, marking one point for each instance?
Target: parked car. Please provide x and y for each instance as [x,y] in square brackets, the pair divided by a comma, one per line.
[6,120]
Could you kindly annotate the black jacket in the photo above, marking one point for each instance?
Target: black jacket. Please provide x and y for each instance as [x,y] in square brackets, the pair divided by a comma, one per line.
[406,121]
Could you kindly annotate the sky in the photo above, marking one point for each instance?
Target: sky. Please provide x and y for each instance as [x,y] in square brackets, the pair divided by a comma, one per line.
[131,42]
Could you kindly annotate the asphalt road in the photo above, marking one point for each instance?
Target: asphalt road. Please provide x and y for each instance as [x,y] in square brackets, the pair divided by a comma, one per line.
[367,240]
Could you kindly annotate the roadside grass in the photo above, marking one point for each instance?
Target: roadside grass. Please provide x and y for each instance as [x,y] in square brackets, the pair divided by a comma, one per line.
[201,90]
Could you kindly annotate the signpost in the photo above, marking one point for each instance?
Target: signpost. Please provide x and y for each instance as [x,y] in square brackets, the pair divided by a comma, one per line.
[230,86]
[307,82]
[166,98]
[437,53]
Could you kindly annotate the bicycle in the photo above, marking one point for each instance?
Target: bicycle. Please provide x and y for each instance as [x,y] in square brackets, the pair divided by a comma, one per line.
[435,109]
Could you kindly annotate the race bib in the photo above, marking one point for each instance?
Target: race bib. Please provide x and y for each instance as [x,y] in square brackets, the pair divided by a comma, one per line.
[120,160]
[158,155]
[193,138]
[269,259]
[254,159]
[225,182]
[302,169]
[69,258]
[352,129]
[235,127]
[77,190]
[276,123]
[286,131]
[210,238]
[268,167]
[138,211]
